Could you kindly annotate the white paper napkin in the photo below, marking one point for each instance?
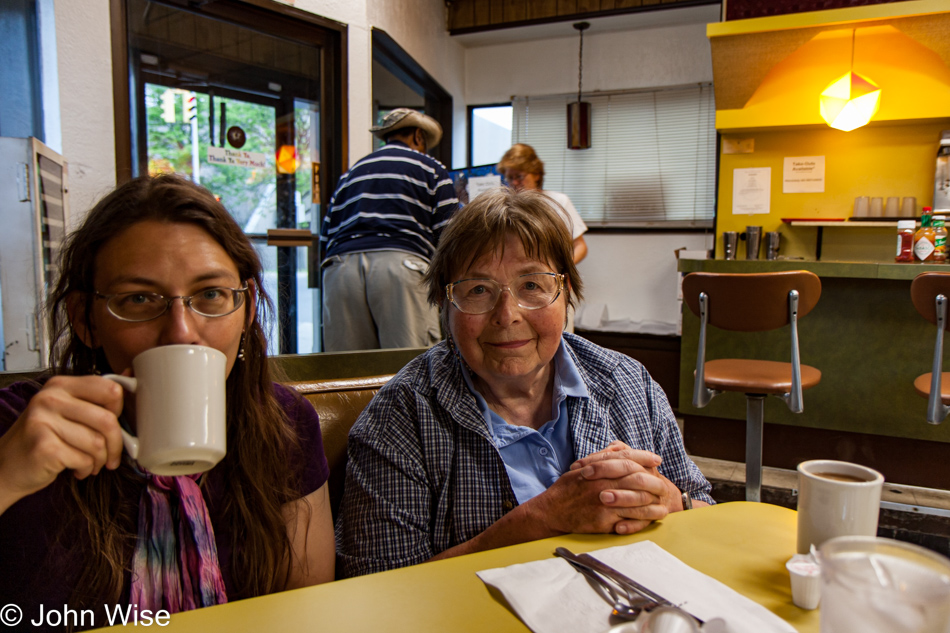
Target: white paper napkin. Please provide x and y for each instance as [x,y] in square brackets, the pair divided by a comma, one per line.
[551,597]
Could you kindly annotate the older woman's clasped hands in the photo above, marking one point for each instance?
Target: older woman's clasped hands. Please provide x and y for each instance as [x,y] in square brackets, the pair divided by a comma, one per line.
[630,489]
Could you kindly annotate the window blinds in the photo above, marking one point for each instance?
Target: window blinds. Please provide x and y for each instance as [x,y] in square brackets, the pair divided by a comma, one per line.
[652,160]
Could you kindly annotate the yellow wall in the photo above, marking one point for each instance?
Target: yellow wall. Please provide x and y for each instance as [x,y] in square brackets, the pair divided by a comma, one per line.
[877,160]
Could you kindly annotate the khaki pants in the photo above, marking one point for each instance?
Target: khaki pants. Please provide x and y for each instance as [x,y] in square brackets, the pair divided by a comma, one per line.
[376,300]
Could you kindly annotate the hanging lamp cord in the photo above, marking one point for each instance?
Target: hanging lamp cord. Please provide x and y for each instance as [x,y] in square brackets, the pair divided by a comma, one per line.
[580,65]
[853,40]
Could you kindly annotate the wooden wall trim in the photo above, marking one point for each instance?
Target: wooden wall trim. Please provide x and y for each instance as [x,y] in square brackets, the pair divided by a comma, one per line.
[472,16]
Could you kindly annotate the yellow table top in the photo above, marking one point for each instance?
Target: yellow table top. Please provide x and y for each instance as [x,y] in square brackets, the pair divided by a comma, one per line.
[744,545]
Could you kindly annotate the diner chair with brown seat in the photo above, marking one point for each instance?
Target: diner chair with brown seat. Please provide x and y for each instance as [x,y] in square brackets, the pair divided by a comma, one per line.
[929,293]
[752,302]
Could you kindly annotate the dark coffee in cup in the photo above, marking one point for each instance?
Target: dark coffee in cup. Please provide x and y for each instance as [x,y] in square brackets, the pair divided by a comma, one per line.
[842,477]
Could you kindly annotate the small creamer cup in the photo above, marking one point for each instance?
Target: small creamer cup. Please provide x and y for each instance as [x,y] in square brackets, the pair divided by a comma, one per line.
[805,576]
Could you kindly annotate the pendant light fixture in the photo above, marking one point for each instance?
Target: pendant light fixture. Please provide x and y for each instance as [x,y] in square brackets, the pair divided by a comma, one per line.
[851,100]
[578,113]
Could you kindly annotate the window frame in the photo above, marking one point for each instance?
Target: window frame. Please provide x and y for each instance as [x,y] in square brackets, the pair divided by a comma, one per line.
[470,126]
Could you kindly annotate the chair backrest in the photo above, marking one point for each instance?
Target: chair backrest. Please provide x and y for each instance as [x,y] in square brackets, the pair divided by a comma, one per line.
[924,290]
[751,302]
[338,403]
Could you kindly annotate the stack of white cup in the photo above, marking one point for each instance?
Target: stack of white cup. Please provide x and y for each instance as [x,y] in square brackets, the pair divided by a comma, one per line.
[895,207]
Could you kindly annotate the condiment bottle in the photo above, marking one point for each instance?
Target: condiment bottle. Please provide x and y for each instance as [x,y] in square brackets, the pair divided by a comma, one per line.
[905,240]
[924,238]
[940,240]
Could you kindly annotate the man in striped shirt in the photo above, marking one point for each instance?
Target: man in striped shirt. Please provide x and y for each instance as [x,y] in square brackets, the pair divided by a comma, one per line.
[378,235]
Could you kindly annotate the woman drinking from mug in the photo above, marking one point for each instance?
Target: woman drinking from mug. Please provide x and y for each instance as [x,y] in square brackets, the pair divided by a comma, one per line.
[157,262]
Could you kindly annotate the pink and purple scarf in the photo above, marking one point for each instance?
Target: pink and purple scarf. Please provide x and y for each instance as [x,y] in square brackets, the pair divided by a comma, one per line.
[175,569]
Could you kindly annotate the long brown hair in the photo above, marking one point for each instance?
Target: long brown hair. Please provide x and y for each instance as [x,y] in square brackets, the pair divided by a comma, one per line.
[262,445]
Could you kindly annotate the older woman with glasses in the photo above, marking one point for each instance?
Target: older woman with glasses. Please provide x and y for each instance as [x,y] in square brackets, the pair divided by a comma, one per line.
[157,262]
[510,430]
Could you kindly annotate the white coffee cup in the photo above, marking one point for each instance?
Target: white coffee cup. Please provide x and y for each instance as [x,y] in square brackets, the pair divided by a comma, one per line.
[179,409]
[836,499]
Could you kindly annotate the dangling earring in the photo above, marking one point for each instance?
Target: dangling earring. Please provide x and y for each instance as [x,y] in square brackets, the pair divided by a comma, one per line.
[240,355]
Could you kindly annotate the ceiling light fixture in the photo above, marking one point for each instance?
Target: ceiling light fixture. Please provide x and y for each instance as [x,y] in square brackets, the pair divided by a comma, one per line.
[578,113]
[851,100]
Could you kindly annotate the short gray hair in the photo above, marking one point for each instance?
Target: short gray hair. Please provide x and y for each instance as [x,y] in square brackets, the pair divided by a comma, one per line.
[482,227]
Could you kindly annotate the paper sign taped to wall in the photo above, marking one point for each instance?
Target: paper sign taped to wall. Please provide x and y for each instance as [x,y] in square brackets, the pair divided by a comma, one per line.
[751,190]
[479,184]
[236,158]
[804,174]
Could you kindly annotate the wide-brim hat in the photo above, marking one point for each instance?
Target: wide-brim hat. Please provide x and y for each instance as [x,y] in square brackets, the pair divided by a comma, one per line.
[405,117]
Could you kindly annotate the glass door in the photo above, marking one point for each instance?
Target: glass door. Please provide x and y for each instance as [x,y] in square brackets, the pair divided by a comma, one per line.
[237,110]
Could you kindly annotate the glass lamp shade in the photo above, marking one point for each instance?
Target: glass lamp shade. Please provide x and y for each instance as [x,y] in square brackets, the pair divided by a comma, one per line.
[287,159]
[578,125]
[849,102]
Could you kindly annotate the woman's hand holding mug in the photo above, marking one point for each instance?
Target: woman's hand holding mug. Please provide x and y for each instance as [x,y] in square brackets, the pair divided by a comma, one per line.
[71,423]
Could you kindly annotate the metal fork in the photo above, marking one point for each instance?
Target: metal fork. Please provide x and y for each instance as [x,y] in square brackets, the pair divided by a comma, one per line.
[627,607]
[630,586]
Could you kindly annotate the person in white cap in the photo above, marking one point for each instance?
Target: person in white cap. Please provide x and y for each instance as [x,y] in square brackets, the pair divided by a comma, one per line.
[378,236]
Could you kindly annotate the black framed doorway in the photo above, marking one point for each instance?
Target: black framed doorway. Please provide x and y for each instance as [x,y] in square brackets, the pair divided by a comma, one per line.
[203,81]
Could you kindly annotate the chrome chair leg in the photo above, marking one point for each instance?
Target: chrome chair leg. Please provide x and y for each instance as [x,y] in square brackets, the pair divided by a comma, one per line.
[754,421]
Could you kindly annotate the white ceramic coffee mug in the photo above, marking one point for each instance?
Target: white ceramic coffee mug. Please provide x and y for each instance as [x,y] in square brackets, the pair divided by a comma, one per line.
[836,499]
[179,409]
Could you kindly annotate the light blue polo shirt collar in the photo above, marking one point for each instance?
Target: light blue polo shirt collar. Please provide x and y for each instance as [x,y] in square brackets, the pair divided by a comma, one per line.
[534,459]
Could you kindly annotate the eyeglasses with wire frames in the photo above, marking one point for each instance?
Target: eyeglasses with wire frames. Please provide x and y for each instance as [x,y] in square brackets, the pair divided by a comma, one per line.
[140,306]
[531,292]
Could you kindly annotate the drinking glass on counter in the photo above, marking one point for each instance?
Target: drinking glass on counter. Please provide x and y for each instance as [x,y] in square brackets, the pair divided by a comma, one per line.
[909,207]
[877,208]
[860,207]
[892,208]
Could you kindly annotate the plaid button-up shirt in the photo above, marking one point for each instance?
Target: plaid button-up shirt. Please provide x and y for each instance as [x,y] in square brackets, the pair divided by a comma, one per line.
[424,475]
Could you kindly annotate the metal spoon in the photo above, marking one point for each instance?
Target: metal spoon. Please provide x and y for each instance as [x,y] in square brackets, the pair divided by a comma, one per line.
[624,610]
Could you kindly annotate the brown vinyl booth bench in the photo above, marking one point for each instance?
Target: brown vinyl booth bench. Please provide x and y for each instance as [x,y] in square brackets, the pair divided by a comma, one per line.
[338,401]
